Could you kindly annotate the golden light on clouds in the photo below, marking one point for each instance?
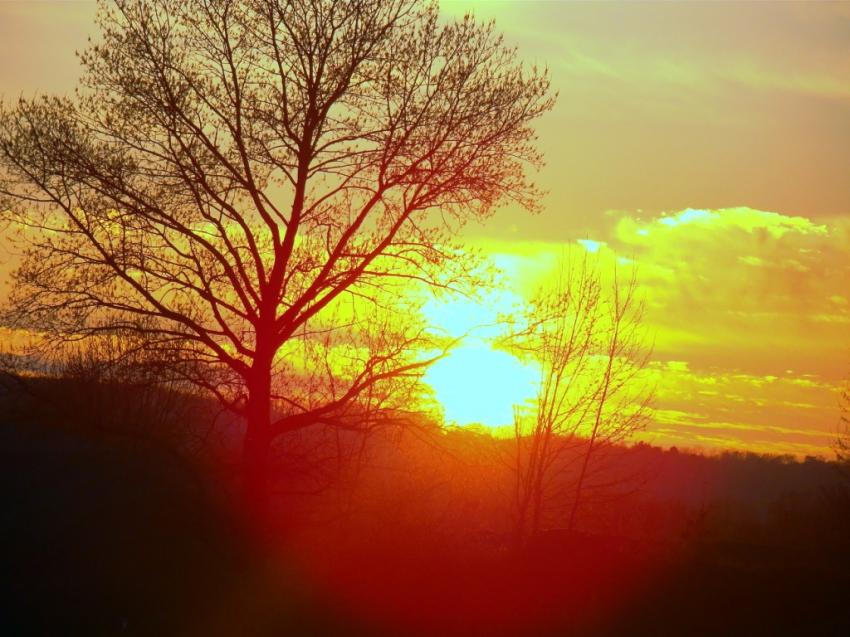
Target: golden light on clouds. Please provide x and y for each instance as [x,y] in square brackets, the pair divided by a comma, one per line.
[748,309]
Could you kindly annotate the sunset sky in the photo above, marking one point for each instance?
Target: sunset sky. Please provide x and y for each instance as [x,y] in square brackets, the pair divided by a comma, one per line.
[707,144]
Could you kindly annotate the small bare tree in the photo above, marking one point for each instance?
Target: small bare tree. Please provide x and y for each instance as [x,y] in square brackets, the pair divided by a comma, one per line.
[588,341]
[230,172]
[842,441]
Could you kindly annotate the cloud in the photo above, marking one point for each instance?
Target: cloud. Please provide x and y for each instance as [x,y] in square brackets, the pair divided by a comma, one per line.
[767,47]
[764,292]
[741,218]
[749,311]
[740,273]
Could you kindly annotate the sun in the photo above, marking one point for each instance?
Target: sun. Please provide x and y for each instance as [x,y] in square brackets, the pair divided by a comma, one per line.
[476,384]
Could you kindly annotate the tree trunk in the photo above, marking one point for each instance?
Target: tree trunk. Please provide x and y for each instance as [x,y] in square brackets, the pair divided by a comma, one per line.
[597,421]
[256,449]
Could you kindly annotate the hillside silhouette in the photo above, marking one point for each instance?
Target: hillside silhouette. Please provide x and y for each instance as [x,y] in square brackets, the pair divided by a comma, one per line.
[111,533]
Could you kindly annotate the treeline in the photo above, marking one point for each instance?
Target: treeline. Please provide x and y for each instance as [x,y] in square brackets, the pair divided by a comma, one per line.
[460,479]
[407,527]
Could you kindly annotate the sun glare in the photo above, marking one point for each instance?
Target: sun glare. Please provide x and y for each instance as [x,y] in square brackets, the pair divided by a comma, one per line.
[476,384]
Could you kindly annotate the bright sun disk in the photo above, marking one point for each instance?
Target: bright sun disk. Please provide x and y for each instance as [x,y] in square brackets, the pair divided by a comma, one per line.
[477,384]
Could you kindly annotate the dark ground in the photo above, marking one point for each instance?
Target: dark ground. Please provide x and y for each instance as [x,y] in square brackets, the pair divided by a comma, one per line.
[104,537]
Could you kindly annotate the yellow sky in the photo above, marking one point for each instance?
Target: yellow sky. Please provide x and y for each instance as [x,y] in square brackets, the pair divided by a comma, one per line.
[705,142]
[750,314]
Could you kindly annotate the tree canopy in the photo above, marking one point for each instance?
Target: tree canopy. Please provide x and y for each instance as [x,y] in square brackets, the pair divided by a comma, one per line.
[230,174]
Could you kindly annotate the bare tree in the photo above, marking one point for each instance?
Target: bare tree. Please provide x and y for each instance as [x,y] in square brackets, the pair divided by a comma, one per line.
[229,173]
[842,441]
[587,339]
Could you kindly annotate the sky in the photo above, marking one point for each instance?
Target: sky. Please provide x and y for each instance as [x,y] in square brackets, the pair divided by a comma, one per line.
[704,143]
[707,144]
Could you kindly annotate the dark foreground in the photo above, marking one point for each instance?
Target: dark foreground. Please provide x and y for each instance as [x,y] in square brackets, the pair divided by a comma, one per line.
[104,537]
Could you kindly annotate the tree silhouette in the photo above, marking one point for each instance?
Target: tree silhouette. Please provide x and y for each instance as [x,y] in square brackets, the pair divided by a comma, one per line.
[590,346]
[229,174]
[842,441]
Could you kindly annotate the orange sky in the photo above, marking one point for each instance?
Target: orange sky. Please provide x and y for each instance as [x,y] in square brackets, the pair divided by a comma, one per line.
[705,142]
